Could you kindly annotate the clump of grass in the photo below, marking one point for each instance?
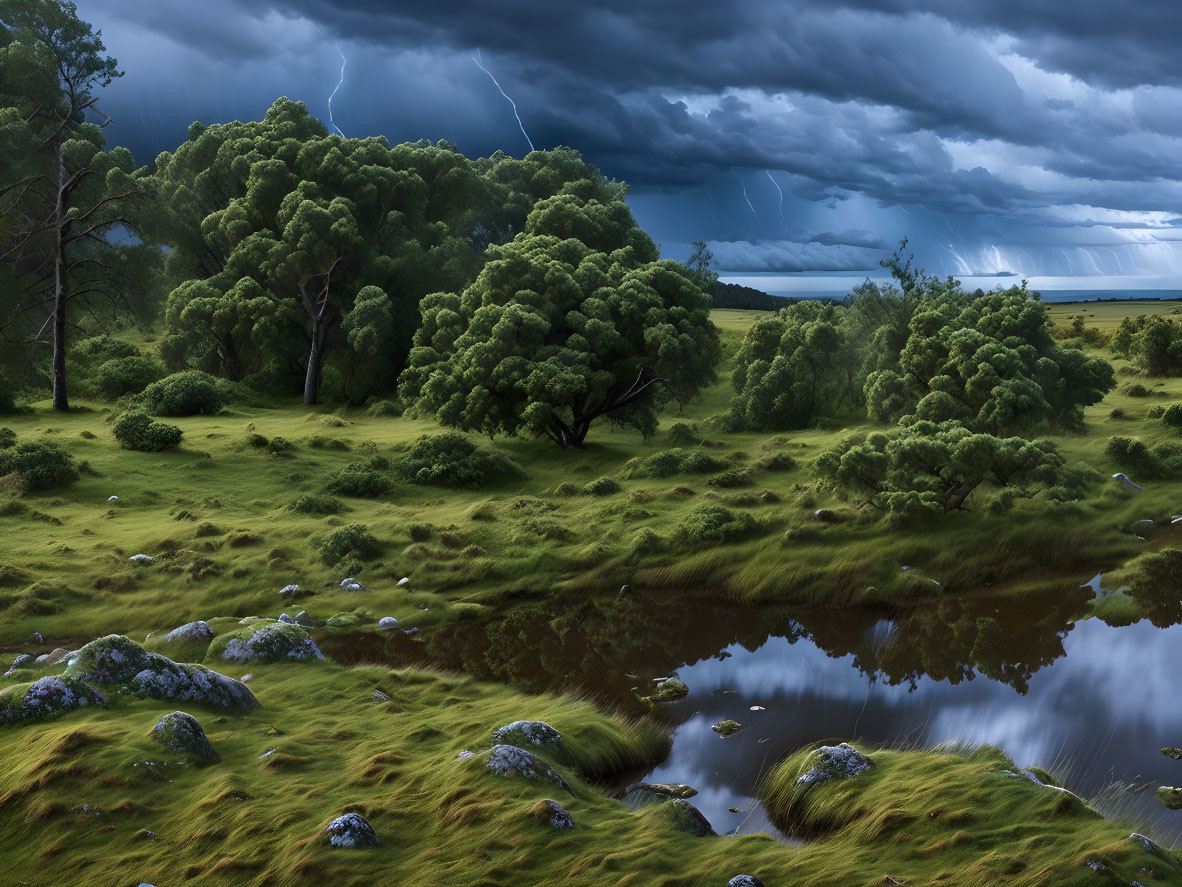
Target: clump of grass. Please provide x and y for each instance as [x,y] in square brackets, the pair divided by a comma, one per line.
[670,462]
[603,486]
[366,479]
[352,542]
[316,503]
[451,459]
[714,523]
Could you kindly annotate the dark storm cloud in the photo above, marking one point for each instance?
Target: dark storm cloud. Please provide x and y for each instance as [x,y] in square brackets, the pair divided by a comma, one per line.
[989,115]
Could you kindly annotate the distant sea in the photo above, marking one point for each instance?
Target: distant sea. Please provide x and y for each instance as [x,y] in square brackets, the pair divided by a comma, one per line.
[834,285]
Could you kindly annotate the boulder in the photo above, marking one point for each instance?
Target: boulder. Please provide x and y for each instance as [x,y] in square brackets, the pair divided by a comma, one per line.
[45,698]
[180,733]
[24,660]
[285,619]
[509,760]
[195,631]
[116,660]
[687,818]
[526,733]
[744,881]
[142,559]
[289,590]
[551,812]
[302,618]
[274,642]
[387,623]
[663,790]
[1169,796]
[835,762]
[351,830]
[669,691]
[57,656]
[727,728]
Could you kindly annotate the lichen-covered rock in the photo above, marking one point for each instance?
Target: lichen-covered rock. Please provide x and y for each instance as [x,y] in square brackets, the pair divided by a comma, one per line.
[275,642]
[181,733]
[302,618]
[191,631]
[1148,843]
[289,590]
[118,661]
[24,660]
[727,728]
[835,762]
[687,818]
[553,813]
[744,881]
[45,698]
[526,733]
[1169,796]
[351,830]
[663,790]
[669,691]
[142,559]
[509,760]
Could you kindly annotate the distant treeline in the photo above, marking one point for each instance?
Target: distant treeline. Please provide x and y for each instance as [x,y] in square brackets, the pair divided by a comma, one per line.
[735,295]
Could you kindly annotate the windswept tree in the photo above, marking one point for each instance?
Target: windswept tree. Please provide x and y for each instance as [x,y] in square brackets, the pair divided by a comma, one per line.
[573,320]
[63,198]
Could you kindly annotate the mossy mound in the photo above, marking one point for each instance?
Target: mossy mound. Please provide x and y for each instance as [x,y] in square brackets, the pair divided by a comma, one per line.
[181,734]
[45,698]
[274,642]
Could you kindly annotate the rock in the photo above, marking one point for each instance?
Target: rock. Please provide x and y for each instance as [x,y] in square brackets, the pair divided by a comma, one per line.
[24,660]
[465,754]
[35,638]
[112,498]
[663,789]
[302,618]
[552,812]
[47,697]
[744,881]
[669,691]
[195,631]
[387,623]
[526,733]
[727,728]
[687,818]
[144,835]
[1147,843]
[116,660]
[351,584]
[181,734]
[420,606]
[285,619]
[1175,753]
[825,515]
[414,630]
[142,559]
[509,760]
[835,762]
[42,659]
[403,582]
[289,590]
[247,678]
[380,696]
[275,642]
[351,830]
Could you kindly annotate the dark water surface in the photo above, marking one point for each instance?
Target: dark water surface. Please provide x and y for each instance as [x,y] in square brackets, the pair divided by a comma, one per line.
[1091,703]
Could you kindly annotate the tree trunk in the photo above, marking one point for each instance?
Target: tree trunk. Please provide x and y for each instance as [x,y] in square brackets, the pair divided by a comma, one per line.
[227,351]
[60,296]
[315,360]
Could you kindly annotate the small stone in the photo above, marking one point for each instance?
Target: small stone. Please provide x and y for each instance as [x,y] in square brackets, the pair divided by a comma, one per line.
[744,881]
[42,659]
[465,754]
[380,696]
[289,590]
[302,618]
[727,728]
[268,753]
[181,734]
[198,630]
[526,733]
[142,559]
[35,638]
[145,835]
[414,630]
[403,582]
[509,760]
[420,606]
[351,830]
[387,623]
[553,813]
[247,678]
[351,584]
[825,515]
[669,691]
[285,619]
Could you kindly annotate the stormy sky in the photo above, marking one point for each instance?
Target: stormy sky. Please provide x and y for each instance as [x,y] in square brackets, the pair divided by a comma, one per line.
[1032,137]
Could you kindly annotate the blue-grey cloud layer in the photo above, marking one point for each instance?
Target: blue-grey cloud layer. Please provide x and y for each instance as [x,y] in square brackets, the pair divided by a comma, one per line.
[1036,136]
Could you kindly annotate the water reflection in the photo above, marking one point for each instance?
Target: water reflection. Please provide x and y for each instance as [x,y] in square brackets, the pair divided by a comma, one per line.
[1091,703]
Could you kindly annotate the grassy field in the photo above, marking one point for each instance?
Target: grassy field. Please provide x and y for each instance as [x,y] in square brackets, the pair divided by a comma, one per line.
[215,515]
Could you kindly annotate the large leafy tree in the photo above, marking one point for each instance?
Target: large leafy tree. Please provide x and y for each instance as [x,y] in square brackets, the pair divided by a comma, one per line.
[62,196]
[573,320]
[930,468]
[990,362]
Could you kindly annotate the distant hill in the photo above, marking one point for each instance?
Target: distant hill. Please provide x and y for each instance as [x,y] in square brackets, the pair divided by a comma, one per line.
[734,295]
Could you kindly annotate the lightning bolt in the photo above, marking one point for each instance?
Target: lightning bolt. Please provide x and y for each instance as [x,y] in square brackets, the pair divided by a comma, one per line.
[780,210]
[476,59]
[743,184]
[344,61]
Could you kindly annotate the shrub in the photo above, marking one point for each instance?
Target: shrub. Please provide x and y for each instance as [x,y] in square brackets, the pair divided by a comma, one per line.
[320,442]
[364,480]
[1132,454]
[776,462]
[452,460]
[135,430]
[421,532]
[714,523]
[7,438]
[1155,412]
[603,486]
[1172,415]
[683,435]
[40,464]
[190,393]
[1136,390]
[384,408]
[316,503]
[735,477]
[352,541]
[126,375]
[566,488]
[670,462]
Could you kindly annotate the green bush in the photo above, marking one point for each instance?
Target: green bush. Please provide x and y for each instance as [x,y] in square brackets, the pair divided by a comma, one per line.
[7,438]
[452,460]
[135,430]
[1155,412]
[1136,390]
[669,462]
[384,408]
[363,480]
[603,486]
[41,464]
[776,462]
[735,477]
[126,375]
[316,503]
[1172,415]
[353,542]
[714,523]
[190,393]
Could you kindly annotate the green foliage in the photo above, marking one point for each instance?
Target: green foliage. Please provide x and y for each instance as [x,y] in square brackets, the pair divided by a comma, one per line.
[135,430]
[352,542]
[735,477]
[7,438]
[316,503]
[41,464]
[573,320]
[451,459]
[1163,461]
[1172,415]
[1154,584]
[189,393]
[670,462]
[714,523]
[929,468]
[367,478]
[1152,342]
[602,486]
[126,375]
